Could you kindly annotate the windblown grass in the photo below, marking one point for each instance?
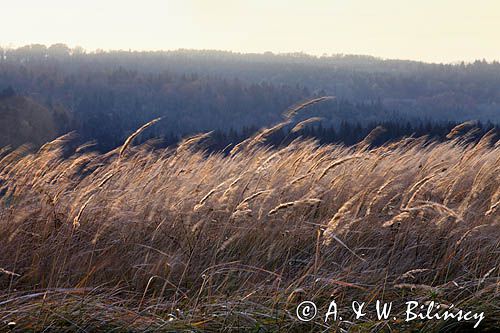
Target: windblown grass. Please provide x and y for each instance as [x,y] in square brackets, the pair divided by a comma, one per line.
[174,239]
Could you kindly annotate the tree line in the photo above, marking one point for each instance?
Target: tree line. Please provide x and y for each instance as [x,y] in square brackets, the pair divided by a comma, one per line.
[107,95]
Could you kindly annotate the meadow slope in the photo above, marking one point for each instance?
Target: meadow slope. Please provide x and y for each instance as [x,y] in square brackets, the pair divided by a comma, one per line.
[141,239]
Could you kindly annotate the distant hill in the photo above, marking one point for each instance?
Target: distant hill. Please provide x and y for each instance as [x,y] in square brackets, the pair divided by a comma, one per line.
[24,121]
[108,95]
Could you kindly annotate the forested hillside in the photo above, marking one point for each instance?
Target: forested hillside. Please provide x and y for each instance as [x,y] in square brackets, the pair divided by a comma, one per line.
[22,121]
[107,95]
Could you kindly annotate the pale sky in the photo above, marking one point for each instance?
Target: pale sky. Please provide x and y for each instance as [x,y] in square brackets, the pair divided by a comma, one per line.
[427,30]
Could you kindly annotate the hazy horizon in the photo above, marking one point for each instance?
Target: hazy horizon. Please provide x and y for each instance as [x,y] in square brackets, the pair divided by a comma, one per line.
[444,32]
[284,54]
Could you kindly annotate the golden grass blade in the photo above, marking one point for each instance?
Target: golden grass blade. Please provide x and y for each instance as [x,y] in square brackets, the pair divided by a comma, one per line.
[135,134]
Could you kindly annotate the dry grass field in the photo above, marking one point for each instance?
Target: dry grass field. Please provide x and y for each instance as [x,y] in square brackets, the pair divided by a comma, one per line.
[141,239]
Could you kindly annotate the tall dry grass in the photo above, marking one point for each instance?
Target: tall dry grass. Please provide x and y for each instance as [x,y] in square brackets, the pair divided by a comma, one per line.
[175,239]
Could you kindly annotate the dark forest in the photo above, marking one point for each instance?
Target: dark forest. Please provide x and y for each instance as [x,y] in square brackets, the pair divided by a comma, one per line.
[105,96]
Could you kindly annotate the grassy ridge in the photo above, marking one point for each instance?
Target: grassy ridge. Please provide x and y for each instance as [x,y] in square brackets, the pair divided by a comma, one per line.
[140,239]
